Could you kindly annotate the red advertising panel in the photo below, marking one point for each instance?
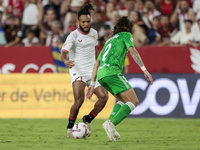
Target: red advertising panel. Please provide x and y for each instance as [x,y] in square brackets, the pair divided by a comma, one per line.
[167,59]
[26,60]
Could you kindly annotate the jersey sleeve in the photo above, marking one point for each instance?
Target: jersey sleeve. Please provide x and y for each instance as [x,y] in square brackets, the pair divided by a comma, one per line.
[96,39]
[128,39]
[68,43]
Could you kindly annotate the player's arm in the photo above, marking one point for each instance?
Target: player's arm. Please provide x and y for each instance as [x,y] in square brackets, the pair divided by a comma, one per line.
[65,48]
[93,79]
[96,49]
[68,63]
[96,53]
[136,56]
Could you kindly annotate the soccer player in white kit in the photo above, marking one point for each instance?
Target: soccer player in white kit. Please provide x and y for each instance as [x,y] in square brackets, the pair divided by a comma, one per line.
[81,46]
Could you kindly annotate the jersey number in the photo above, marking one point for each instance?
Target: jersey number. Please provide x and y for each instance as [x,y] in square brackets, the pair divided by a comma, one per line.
[107,50]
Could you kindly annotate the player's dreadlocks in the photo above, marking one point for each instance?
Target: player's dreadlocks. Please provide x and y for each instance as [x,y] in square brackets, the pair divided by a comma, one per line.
[123,25]
[85,10]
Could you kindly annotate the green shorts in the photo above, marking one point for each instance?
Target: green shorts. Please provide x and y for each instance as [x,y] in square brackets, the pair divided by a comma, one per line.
[115,84]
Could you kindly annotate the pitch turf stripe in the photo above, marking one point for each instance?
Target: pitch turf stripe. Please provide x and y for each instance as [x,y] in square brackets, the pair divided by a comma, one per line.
[123,81]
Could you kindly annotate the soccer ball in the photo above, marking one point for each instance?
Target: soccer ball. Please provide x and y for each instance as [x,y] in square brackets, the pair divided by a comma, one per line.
[80,130]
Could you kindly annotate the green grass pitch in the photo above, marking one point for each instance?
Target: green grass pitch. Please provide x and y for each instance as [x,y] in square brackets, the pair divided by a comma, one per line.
[136,134]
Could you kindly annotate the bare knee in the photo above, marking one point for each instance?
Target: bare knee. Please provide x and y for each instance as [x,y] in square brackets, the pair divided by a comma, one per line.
[103,98]
[136,102]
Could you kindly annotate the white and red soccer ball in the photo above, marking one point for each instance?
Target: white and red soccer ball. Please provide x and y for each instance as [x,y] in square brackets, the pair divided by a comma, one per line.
[80,130]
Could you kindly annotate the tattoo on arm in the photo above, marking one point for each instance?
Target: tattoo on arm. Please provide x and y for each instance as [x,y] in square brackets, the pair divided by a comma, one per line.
[136,56]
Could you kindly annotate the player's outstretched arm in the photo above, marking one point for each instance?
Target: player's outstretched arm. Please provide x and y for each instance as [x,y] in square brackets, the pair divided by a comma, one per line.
[68,63]
[136,56]
[93,79]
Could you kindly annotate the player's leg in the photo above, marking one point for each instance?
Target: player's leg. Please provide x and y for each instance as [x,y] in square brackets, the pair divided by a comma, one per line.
[117,106]
[120,88]
[104,84]
[102,96]
[130,102]
[78,92]
[115,110]
[124,93]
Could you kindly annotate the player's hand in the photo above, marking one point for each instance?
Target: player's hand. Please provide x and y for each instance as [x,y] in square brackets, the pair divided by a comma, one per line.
[148,76]
[69,63]
[90,91]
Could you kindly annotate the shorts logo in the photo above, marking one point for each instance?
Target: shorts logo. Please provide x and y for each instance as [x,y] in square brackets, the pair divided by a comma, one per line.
[80,40]
[74,74]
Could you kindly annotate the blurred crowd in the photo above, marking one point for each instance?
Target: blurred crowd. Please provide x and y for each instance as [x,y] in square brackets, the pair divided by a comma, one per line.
[49,22]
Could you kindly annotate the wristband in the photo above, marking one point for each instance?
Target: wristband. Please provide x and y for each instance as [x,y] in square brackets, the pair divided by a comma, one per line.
[92,83]
[143,68]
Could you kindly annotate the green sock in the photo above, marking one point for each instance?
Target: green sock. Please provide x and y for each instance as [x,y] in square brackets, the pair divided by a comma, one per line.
[123,113]
[116,108]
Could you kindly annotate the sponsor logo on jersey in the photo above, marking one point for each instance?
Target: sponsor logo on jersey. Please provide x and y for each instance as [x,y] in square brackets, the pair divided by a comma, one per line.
[80,41]
[93,37]
[131,39]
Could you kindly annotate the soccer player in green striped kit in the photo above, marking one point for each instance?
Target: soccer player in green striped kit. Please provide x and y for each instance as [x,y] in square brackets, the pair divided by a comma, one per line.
[107,70]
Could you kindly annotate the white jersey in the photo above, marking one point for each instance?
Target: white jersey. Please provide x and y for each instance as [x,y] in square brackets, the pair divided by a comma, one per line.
[81,48]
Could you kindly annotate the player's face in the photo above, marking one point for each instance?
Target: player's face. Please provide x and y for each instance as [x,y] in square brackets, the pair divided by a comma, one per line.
[84,23]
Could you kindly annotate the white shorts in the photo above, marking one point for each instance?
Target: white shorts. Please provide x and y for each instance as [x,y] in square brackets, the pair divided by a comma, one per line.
[85,78]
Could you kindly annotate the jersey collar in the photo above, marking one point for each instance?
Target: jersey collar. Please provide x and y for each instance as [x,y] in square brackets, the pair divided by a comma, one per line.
[82,32]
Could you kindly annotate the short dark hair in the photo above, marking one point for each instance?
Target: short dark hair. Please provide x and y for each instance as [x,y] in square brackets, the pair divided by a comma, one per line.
[155,17]
[85,10]
[184,0]
[150,1]
[30,31]
[106,27]
[51,10]
[123,25]
[164,15]
[188,20]
[11,17]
